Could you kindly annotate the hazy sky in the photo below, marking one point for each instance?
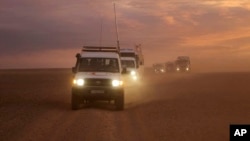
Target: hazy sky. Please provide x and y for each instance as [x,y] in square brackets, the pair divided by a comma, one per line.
[48,33]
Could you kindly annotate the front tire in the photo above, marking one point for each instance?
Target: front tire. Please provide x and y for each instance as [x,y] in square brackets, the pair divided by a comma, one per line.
[119,101]
[75,101]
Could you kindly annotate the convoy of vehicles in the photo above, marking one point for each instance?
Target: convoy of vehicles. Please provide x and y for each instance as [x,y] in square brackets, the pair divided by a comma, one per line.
[181,64]
[99,72]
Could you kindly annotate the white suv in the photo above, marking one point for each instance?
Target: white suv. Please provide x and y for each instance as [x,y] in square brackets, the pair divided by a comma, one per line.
[98,76]
[130,64]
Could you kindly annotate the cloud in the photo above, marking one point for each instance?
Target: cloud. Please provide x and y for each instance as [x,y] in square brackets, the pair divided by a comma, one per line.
[225,37]
[165,28]
[228,3]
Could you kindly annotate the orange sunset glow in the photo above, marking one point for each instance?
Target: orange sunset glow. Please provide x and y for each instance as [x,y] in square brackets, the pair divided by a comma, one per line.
[48,33]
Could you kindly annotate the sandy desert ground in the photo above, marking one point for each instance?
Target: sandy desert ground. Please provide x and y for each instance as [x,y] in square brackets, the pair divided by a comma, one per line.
[35,106]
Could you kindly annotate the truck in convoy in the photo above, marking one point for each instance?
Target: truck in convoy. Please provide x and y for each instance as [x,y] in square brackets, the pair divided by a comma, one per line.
[183,64]
[134,53]
[98,76]
[159,68]
[133,60]
[130,64]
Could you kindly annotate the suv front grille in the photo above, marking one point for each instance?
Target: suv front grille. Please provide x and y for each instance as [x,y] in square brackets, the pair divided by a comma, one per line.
[97,82]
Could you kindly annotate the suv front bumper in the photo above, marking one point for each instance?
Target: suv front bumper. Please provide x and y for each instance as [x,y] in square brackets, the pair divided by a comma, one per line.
[97,93]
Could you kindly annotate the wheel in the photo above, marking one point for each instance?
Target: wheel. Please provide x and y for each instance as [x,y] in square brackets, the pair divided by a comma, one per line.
[119,101]
[75,101]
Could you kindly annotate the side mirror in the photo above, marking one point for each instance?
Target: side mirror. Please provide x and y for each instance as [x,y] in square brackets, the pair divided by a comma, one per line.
[124,70]
[74,69]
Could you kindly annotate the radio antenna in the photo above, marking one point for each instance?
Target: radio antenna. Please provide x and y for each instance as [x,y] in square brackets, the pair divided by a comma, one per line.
[117,37]
[101,33]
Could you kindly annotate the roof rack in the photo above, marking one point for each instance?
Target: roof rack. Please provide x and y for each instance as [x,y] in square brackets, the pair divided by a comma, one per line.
[99,49]
[126,49]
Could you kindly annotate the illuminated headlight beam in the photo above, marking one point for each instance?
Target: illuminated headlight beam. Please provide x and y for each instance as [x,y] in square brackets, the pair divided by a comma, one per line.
[116,83]
[78,82]
[132,72]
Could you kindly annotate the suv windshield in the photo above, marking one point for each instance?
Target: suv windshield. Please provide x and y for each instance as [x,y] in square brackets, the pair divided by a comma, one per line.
[182,62]
[98,65]
[128,63]
[158,66]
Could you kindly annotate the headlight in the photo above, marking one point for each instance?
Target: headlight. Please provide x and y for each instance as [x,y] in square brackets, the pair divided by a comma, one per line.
[78,82]
[116,83]
[187,69]
[177,69]
[132,73]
